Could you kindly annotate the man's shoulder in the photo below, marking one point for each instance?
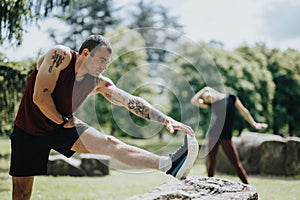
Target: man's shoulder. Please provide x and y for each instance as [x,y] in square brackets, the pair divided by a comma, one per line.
[62,50]
[60,53]
[60,46]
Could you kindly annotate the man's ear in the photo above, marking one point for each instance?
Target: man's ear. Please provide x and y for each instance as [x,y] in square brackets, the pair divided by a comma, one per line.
[85,52]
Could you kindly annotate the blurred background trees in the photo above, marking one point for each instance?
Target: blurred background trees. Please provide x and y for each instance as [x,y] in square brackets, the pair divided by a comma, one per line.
[16,14]
[285,68]
[83,18]
[13,77]
[145,63]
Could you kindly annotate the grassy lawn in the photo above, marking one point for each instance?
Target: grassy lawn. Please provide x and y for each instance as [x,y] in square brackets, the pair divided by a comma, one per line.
[4,146]
[124,183]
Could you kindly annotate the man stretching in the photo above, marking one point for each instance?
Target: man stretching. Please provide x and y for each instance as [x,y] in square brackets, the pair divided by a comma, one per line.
[56,88]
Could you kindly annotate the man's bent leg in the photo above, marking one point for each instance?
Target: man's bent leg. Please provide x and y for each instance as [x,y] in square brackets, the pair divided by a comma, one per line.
[22,187]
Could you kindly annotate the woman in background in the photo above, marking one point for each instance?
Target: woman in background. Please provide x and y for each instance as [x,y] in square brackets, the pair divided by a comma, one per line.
[220,132]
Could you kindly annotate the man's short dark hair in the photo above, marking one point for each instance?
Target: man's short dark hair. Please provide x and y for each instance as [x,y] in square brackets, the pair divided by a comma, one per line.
[93,41]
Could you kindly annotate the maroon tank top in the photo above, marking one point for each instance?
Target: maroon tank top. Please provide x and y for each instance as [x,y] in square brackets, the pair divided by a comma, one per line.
[68,95]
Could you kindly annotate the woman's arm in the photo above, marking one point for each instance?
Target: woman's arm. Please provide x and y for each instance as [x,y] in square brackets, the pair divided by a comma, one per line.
[247,116]
[197,99]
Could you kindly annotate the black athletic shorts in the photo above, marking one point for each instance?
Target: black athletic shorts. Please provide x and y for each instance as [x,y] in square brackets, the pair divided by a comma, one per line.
[29,153]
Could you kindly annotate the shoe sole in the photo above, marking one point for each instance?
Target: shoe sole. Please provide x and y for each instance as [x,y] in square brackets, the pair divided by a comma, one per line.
[193,148]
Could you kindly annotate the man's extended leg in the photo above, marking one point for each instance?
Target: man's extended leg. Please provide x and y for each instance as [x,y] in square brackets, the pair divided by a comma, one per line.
[92,141]
[22,187]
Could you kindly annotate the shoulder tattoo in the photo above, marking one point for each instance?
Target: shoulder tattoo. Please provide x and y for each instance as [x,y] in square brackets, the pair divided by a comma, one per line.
[57,59]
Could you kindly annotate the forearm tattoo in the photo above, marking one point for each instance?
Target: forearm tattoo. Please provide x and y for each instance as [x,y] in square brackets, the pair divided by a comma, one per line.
[145,111]
[57,59]
[138,108]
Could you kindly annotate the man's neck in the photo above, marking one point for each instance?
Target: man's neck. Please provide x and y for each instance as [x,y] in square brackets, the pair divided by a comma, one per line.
[79,73]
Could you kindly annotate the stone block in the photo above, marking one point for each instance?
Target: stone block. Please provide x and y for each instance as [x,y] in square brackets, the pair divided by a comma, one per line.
[202,188]
[94,164]
[59,165]
[264,154]
[84,165]
[293,156]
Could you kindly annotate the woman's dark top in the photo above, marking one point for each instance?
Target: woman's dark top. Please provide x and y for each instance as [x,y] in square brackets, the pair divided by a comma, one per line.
[224,113]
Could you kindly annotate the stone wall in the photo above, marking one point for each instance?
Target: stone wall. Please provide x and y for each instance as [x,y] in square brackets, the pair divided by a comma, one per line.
[83,165]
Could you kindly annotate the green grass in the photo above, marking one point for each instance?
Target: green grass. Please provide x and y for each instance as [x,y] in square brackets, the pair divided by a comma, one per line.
[117,185]
[4,146]
[121,184]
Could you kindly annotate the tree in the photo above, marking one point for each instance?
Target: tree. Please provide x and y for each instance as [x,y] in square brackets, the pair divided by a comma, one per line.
[256,88]
[153,22]
[285,68]
[15,14]
[83,19]
[13,77]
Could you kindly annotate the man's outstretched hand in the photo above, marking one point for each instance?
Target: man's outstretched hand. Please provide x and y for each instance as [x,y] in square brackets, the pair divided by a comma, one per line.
[173,125]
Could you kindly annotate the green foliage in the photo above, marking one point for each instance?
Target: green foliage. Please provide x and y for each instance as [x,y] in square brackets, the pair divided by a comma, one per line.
[256,88]
[12,17]
[285,67]
[13,78]
[85,18]
[16,13]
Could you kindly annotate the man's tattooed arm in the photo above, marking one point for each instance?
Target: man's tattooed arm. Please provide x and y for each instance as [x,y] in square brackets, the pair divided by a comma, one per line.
[134,104]
[138,106]
[142,108]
